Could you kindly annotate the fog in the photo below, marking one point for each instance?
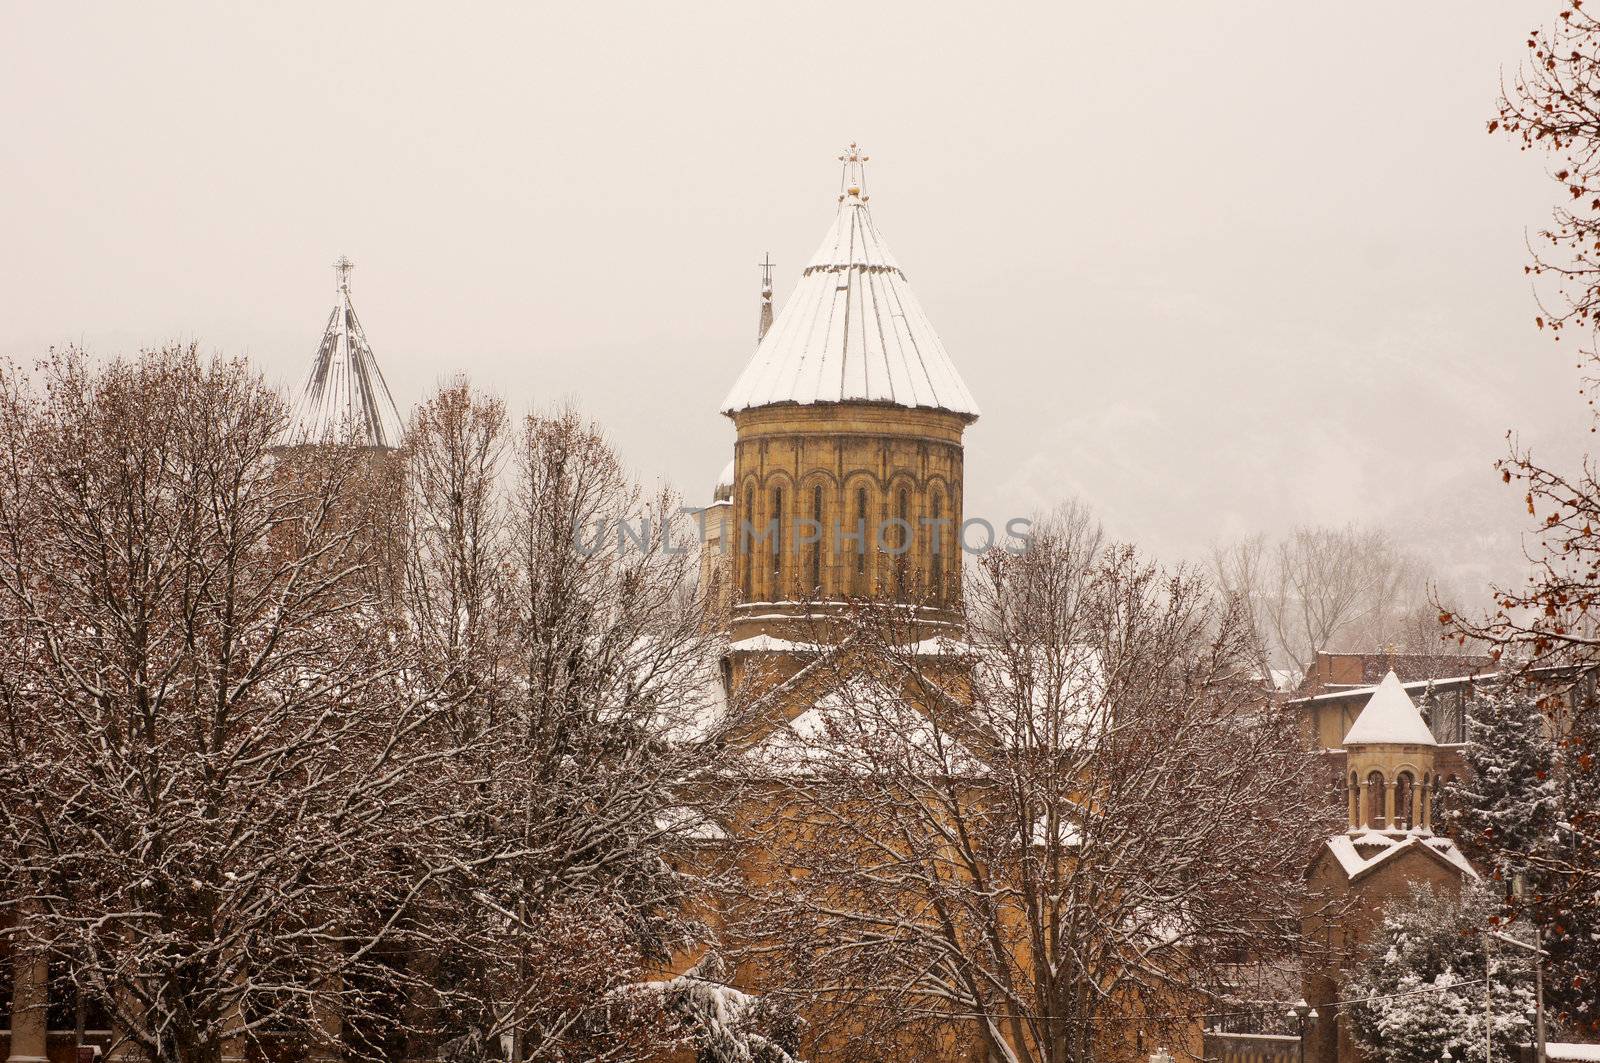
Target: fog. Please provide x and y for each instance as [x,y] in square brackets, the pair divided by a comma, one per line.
[1214,269]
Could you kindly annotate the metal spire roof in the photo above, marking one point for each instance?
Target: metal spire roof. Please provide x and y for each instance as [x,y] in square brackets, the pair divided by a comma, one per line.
[1390,718]
[344,399]
[852,331]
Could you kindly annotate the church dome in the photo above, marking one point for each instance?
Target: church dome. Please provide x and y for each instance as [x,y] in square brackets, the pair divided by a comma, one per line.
[852,331]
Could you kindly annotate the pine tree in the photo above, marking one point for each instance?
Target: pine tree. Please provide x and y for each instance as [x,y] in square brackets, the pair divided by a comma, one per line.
[1420,982]
[1504,810]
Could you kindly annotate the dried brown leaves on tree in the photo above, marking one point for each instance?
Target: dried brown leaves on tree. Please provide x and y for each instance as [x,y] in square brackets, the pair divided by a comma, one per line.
[1552,104]
[326,748]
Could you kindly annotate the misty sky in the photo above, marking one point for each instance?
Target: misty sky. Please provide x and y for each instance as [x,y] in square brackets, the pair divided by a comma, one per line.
[1213,268]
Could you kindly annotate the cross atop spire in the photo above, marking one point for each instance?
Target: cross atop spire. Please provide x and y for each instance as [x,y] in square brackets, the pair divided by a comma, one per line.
[343,398]
[764,322]
[853,181]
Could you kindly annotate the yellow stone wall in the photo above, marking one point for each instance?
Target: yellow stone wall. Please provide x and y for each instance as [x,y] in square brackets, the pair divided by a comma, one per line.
[1364,763]
[852,465]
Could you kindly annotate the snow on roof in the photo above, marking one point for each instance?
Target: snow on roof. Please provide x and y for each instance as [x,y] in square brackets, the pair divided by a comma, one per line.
[1390,717]
[343,398]
[1347,850]
[1572,1050]
[723,491]
[854,730]
[852,331]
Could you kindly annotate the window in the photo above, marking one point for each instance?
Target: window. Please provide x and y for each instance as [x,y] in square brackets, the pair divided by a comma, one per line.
[861,526]
[816,547]
[743,560]
[1375,798]
[936,550]
[777,543]
[1404,791]
[902,543]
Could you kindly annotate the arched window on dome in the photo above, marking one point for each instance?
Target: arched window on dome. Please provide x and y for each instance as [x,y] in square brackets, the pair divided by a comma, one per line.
[902,542]
[777,544]
[816,546]
[861,543]
[936,547]
[1376,793]
[1404,794]
[743,558]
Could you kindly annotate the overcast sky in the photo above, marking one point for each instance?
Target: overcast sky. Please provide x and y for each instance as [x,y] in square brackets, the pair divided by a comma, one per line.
[1213,268]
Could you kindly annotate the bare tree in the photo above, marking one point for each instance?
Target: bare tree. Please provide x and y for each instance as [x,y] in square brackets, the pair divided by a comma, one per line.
[1041,840]
[210,758]
[562,603]
[1318,588]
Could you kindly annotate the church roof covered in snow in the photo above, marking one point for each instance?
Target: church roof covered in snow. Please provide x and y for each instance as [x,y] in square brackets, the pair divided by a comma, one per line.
[1362,853]
[852,331]
[343,398]
[1390,717]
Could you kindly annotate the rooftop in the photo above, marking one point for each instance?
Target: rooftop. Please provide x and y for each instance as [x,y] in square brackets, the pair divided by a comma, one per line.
[852,331]
[1390,717]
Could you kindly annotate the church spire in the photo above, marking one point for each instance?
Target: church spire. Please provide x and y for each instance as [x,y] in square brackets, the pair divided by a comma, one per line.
[343,398]
[765,321]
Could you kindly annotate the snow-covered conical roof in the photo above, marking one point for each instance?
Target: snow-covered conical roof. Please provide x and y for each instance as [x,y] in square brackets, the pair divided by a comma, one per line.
[1390,717]
[852,331]
[343,398]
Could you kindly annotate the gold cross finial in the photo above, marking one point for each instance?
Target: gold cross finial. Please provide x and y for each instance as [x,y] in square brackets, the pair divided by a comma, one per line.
[853,182]
[343,268]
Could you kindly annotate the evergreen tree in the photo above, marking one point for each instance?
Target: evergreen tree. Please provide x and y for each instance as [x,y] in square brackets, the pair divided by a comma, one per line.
[1420,981]
[1503,812]
[1528,811]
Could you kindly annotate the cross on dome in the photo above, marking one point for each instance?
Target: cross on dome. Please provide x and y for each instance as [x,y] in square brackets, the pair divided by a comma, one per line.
[343,267]
[853,181]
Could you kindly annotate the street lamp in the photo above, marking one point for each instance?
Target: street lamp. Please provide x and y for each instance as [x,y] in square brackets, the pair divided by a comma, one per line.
[1302,1011]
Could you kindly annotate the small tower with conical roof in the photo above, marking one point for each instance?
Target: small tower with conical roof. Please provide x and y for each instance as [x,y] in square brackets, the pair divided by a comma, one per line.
[1390,763]
[847,477]
[1389,849]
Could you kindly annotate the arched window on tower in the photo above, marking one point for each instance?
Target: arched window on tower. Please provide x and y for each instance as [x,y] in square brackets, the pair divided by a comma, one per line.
[1354,797]
[1375,798]
[902,542]
[1404,793]
[816,546]
[861,543]
[936,548]
[776,524]
[743,559]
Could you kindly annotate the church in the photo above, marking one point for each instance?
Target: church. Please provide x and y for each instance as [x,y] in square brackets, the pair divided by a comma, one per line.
[846,488]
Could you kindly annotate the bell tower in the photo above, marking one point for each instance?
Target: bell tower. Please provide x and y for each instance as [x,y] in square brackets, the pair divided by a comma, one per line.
[847,478]
[1389,764]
